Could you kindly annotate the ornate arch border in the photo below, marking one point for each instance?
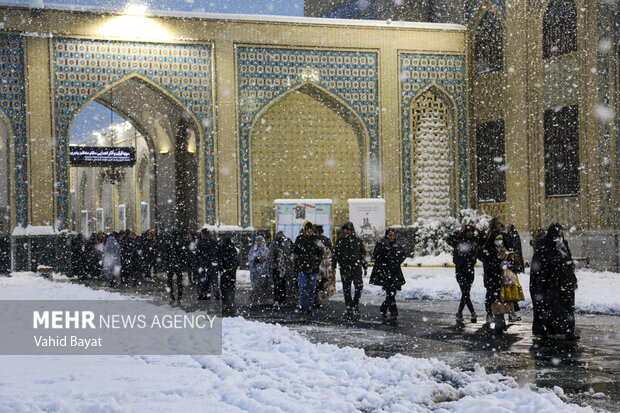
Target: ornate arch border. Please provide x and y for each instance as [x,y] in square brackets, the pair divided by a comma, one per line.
[13,108]
[266,72]
[472,6]
[85,68]
[452,110]
[484,7]
[363,134]
[446,72]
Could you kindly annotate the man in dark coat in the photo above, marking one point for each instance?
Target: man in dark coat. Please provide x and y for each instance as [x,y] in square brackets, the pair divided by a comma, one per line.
[208,250]
[464,256]
[388,256]
[350,254]
[552,286]
[228,263]
[307,254]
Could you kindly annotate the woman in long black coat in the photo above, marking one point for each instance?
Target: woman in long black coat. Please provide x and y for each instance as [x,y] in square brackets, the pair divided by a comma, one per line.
[552,286]
[228,262]
[388,256]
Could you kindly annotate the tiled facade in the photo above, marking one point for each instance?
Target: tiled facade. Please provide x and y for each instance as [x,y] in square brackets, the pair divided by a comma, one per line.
[266,73]
[13,105]
[447,74]
[84,68]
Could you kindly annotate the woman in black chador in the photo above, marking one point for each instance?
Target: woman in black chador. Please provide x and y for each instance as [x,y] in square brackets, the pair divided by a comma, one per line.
[552,287]
[388,255]
[229,261]
[464,256]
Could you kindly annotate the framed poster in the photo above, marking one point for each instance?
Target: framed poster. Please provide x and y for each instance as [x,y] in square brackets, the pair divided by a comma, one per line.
[368,218]
[292,213]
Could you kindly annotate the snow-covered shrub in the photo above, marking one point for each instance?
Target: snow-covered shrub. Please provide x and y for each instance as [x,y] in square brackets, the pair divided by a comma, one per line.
[431,234]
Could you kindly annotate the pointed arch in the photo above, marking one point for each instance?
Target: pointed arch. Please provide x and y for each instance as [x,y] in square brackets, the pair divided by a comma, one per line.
[306,166]
[433,129]
[488,45]
[136,122]
[559,27]
[486,39]
[6,151]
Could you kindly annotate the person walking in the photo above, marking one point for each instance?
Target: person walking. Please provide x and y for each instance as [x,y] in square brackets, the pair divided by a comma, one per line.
[259,271]
[464,255]
[326,282]
[388,256]
[278,267]
[350,254]
[228,258]
[513,243]
[552,287]
[489,255]
[307,255]
[208,250]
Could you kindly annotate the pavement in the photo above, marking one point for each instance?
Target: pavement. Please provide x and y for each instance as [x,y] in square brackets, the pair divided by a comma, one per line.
[587,370]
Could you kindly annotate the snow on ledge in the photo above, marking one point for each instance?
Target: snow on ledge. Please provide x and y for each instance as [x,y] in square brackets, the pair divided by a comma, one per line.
[33,230]
[258,18]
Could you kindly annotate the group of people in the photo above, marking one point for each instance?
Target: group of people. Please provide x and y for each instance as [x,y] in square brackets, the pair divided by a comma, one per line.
[291,273]
[552,277]
[301,273]
[123,258]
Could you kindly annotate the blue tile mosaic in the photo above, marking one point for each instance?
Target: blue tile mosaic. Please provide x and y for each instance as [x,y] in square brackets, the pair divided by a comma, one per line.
[13,104]
[418,72]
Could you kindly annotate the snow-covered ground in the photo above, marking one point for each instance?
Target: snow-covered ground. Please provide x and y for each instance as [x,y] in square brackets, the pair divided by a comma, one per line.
[432,281]
[263,368]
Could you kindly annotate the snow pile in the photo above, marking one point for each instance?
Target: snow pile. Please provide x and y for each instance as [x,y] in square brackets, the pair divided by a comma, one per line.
[263,368]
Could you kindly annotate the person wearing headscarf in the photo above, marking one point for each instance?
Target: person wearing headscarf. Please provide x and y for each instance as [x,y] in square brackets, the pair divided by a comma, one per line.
[228,259]
[208,261]
[307,255]
[388,255]
[280,267]
[489,255]
[552,286]
[259,271]
[464,255]
[326,284]
[350,254]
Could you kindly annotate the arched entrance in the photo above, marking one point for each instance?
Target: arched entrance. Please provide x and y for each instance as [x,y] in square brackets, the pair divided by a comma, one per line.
[432,128]
[160,190]
[306,144]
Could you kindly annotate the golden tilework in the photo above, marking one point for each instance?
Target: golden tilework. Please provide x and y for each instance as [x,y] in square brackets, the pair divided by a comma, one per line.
[268,73]
[317,155]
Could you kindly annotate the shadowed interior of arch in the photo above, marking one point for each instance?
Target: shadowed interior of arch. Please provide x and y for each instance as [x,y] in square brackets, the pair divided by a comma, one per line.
[165,138]
[306,145]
